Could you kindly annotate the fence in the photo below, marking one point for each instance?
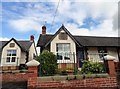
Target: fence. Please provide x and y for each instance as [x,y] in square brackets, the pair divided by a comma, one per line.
[33,81]
[66,63]
[69,63]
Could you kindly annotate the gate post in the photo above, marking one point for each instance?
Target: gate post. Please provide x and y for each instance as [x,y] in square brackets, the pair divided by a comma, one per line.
[74,63]
[32,73]
[110,65]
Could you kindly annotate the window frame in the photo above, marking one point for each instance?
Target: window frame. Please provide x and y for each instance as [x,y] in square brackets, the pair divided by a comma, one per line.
[12,55]
[63,51]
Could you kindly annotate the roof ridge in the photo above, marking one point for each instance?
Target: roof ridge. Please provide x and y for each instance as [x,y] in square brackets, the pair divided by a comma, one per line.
[85,36]
[94,36]
[23,40]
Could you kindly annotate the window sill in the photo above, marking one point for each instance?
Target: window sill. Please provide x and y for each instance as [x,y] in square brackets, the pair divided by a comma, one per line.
[65,61]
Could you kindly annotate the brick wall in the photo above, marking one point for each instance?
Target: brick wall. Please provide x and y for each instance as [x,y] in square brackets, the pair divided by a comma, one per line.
[31,77]
[86,83]
[14,77]
[4,68]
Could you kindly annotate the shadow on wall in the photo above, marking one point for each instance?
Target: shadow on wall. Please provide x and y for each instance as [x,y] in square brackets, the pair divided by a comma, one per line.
[14,85]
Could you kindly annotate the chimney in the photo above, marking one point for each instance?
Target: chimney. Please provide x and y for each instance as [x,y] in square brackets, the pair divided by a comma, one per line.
[31,38]
[43,30]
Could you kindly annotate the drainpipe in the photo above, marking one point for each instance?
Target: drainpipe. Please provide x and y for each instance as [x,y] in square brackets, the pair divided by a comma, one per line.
[118,54]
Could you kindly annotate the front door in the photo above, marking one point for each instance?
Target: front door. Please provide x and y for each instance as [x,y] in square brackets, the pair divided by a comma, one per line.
[80,58]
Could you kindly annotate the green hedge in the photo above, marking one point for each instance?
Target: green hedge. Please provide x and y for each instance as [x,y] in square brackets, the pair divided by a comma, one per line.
[92,67]
[48,63]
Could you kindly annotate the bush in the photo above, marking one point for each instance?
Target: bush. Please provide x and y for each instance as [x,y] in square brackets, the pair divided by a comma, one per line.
[48,63]
[92,67]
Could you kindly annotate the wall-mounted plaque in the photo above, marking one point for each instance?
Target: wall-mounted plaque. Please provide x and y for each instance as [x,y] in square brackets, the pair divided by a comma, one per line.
[12,44]
[63,36]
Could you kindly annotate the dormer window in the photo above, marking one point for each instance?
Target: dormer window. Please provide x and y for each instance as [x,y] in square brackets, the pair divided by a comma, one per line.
[63,36]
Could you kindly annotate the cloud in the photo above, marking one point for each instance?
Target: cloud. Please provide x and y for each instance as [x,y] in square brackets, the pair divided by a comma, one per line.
[115,21]
[25,25]
[4,39]
[104,29]
[71,13]
[58,0]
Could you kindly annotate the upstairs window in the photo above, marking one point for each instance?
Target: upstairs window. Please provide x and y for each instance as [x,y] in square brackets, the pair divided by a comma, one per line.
[63,51]
[11,56]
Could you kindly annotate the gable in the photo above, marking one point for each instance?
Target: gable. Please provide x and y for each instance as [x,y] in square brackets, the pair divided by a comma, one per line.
[13,42]
[11,45]
[24,45]
[63,29]
[60,39]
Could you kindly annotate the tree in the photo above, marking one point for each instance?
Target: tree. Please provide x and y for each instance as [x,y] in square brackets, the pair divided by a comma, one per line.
[48,63]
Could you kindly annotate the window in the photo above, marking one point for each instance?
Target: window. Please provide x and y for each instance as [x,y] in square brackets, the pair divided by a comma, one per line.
[63,51]
[11,56]
[102,52]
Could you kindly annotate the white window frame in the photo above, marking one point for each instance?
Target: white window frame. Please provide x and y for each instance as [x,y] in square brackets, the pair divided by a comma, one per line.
[11,56]
[63,53]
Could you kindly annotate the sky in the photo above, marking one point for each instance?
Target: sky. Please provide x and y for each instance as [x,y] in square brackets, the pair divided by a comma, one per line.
[21,18]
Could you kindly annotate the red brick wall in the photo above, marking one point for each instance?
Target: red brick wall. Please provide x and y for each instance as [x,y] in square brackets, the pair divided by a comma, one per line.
[9,77]
[31,77]
[86,83]
[14,77]
[33,83]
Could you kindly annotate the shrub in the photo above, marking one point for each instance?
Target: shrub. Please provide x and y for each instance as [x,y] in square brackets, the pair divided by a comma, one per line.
[48,63]
[92,67]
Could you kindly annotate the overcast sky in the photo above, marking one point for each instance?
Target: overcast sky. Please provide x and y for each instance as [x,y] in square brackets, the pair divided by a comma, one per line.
[22,18]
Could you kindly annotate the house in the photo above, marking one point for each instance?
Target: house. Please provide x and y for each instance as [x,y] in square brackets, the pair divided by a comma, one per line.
[14,53]
[72,49]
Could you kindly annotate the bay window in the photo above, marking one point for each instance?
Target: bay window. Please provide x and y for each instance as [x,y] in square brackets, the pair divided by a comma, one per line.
[63,51]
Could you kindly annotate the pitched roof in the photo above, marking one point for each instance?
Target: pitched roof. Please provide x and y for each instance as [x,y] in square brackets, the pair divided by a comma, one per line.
[51,37]
[24,45]
[81,40]
[97,41]
[43,40]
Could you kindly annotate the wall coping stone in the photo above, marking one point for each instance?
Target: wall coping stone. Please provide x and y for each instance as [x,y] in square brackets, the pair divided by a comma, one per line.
[33,63]
[109,57]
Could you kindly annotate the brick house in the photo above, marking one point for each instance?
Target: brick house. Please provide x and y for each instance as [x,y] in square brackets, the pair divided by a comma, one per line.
[64,44]
[14,53]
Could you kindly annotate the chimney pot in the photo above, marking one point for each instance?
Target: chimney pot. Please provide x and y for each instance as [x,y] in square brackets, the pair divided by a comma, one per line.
[32,38]
[44,30]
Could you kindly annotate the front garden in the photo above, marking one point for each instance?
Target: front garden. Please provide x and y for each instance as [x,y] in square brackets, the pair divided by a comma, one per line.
[49,67]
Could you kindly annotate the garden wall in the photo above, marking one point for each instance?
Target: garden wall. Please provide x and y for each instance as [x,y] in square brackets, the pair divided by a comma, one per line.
[33,82]
[97,83]
[14,77]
